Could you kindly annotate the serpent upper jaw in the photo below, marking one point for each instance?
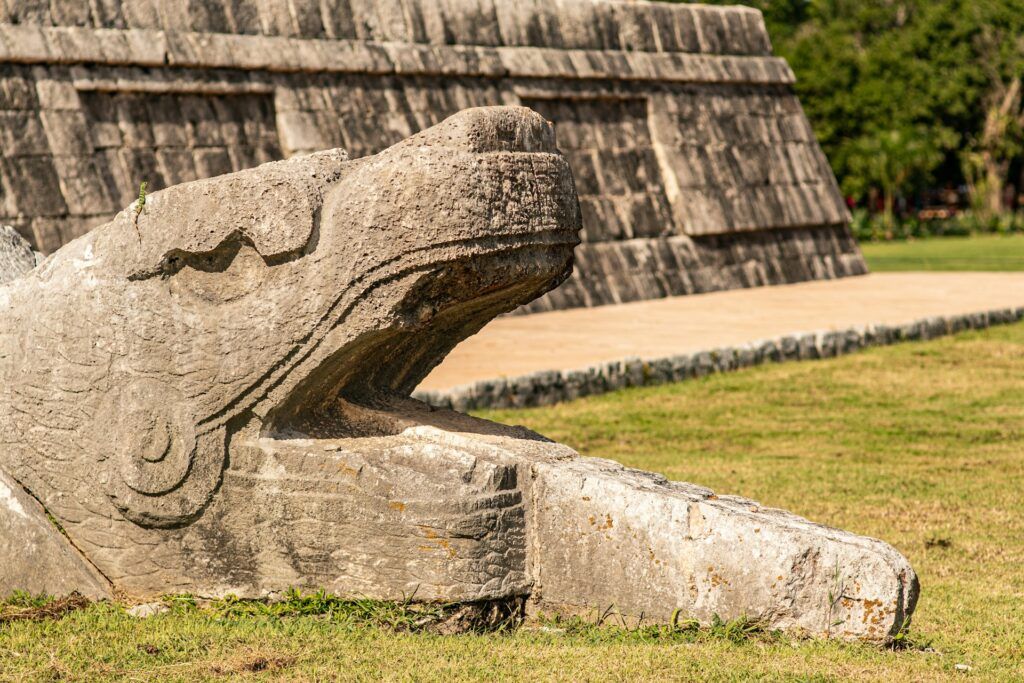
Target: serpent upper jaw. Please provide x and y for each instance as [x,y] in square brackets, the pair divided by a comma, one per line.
[411,293]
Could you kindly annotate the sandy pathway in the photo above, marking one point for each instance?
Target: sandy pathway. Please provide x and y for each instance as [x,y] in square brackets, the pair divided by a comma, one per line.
[566,340]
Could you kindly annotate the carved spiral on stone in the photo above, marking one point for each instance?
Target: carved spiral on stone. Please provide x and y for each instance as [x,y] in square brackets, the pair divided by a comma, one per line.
[157,470]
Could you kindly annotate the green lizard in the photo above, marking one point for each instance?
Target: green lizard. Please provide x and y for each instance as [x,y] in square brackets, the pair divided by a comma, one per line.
[140,206]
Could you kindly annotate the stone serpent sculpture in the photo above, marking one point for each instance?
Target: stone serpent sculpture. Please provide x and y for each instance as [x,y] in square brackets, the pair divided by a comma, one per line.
[211,395]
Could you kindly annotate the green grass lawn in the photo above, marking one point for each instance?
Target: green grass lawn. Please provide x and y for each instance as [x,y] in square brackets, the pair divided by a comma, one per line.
[920,444]
[986,252]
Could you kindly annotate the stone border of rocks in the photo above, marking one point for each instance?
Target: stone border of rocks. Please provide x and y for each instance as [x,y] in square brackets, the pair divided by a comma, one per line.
[553,386]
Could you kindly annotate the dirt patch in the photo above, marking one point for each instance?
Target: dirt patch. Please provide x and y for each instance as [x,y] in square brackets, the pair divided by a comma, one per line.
[54,609]
[253,662]
[492,615]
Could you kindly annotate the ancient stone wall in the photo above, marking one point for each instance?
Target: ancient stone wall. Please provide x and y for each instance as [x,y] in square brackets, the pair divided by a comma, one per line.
[696,167]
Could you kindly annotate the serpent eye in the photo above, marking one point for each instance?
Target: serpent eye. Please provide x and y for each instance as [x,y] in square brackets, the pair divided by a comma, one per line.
[227,273]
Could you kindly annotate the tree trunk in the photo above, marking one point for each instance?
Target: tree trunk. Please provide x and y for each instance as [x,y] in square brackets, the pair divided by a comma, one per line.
[996,175]
[888,214]
[1001,121]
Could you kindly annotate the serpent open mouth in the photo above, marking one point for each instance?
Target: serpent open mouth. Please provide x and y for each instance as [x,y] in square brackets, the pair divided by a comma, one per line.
[449,261]
[439,305]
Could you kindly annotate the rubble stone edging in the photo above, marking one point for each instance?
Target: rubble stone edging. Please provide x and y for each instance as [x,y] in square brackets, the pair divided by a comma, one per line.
[548,387]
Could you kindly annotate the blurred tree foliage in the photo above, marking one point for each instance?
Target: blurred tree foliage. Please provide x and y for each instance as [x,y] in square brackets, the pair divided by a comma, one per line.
[909,94]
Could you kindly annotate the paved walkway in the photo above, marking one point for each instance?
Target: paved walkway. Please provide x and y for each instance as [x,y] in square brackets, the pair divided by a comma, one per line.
[567,340]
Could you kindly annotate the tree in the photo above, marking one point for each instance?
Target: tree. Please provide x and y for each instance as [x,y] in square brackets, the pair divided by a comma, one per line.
[935,78]
[890,160]
[987,159]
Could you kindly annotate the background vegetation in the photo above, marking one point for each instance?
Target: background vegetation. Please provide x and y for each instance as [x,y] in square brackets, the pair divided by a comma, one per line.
[911,97]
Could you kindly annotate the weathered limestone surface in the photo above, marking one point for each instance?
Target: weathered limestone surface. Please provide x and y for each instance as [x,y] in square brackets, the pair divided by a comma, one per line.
[696,167]
[608,535]
[16,255]
[34,556]
[212,397]
[162,376]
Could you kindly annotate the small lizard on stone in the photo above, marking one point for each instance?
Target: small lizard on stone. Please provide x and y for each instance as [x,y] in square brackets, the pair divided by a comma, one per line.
[140,206]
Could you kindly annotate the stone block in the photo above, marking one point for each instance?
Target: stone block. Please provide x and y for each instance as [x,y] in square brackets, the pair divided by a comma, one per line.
[32,185]
[789,348]
[702,364]
[659,371]
[522,389]
[634,372]
[87,189]
[724,359]
[56,94]
[770,351]
[613,536]
[25,42]
[827,345]
[212,161]
[852,341]
[16,259]
[937,326]
[1001,316]
[69,13]
[877,335]
[36,557]
[16,88]
[178,165]
[139,165]
[910,332]
[746,356]
[299,133]
[682,367]
[47,234]
[22,134]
